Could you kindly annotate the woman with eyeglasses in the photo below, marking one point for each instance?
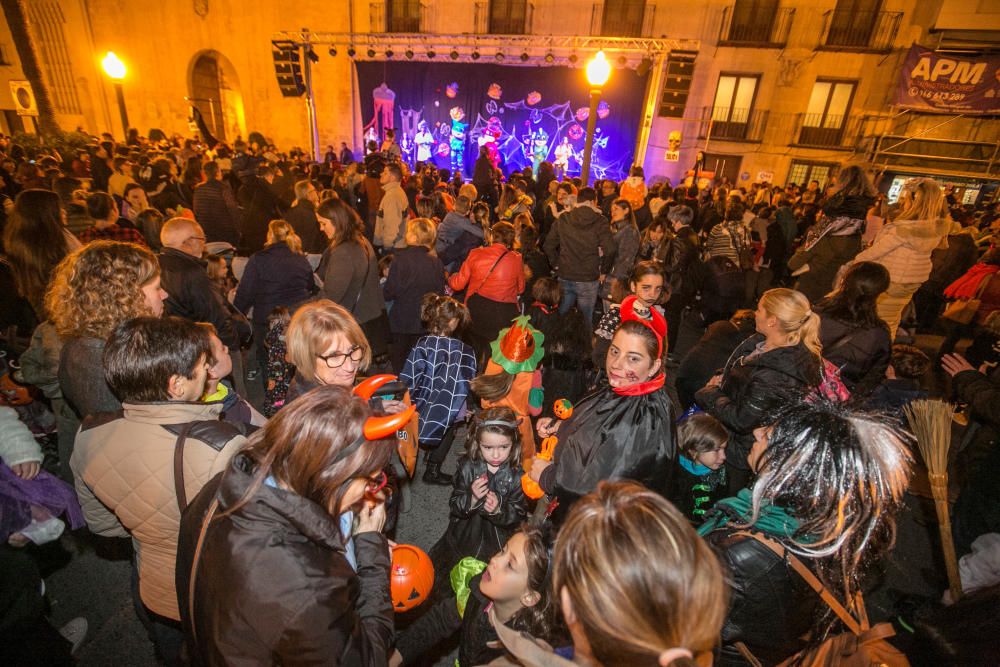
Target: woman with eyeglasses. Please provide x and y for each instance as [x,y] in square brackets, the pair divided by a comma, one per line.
[327,347]
[281,558]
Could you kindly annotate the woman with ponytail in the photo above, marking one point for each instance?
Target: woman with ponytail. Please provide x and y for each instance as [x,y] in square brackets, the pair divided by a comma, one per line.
[779,365]
[279,275]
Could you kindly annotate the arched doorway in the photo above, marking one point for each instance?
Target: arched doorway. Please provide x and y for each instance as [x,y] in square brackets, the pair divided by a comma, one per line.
[215,90]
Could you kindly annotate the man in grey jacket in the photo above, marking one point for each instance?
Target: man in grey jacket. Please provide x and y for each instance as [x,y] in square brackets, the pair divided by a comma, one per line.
[390,225]
[582,250]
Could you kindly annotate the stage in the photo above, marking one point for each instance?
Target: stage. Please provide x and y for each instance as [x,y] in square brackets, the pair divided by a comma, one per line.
[444,112]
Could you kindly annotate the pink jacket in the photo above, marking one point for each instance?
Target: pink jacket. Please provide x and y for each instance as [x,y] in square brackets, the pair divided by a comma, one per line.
[904,248]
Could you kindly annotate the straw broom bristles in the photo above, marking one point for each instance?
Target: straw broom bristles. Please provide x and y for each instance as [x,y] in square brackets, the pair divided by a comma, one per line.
[931,421]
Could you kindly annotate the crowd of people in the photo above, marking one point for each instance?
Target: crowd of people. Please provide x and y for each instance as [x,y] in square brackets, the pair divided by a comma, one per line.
[680,408]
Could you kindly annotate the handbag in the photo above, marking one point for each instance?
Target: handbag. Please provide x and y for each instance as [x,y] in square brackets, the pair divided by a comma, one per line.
[964,311]
[862,645]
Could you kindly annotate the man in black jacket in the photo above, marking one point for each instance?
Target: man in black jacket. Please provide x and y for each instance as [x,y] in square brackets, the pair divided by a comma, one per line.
[582,249]
[680,265]
[260,206]
[192,295]
[215,208]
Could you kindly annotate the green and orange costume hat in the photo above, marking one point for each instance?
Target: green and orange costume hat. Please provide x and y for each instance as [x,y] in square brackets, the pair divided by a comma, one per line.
[518,348]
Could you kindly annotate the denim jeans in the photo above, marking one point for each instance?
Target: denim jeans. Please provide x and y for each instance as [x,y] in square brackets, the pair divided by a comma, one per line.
[583,294]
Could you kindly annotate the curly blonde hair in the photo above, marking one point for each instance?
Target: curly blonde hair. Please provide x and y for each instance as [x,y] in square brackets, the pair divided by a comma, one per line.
[99,286]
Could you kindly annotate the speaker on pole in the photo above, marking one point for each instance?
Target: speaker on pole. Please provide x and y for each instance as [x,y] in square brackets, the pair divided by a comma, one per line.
[288,68]
[677,83]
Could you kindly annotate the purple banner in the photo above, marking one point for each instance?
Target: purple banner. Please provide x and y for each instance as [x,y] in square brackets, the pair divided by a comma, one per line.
[944,83]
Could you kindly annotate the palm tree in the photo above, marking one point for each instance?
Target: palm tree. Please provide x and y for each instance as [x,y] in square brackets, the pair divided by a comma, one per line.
[18,23]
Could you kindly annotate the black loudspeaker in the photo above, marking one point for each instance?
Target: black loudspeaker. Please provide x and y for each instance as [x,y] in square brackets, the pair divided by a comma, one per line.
[288,69]
[677,83]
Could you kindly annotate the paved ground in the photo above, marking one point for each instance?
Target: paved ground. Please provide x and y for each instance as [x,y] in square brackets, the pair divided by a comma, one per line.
[97,586]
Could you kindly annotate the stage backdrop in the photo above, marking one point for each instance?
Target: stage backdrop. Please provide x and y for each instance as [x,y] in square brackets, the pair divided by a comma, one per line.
[529,111]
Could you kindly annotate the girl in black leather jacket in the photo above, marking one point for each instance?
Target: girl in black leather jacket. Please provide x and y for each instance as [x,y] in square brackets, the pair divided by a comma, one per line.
[487,503]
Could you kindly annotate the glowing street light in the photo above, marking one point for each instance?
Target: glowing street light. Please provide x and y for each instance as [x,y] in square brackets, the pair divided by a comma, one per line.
[113,66]
[115,69]
[598,72]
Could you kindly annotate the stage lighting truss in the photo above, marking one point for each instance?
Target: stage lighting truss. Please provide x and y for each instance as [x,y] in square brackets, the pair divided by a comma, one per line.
[546,50]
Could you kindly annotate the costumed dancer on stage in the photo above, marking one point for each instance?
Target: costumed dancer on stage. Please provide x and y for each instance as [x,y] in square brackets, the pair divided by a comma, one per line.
[563,153]
[457,141]
[424,141]
[539,149]
[624,430]
[371,136]
[494,130]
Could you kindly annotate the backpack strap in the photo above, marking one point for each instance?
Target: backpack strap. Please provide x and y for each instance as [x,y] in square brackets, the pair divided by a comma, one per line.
[179,467]
[842,613]
[194,567]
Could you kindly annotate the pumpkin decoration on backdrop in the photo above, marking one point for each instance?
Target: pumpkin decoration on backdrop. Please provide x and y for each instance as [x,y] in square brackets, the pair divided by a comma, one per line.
[411,577]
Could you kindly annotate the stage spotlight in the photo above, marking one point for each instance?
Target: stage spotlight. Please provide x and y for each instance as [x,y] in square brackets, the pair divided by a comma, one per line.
[644,66]
[333,51]
[573,58]
[431,54]
[622,61]
[524,57]
[499,57]
[550,58]
[475,55]
[453,55]
[409,54]
[371,53]
[389,53]
[312,56]
[351,52]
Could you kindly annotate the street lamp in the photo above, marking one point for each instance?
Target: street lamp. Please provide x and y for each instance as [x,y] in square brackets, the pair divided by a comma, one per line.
[598,71]
[115,69]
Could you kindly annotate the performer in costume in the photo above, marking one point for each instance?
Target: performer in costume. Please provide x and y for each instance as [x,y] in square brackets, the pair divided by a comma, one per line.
[624,430]
[539,149]
[406,146]
[457,140]
[371,136]
[563,153]
[424,141]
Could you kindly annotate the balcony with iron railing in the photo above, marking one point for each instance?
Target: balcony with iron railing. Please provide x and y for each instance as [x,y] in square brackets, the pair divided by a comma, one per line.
[726,124]
[381,18]
[634,18]
[860,31]
[760,30]
[833,132]
[513,22]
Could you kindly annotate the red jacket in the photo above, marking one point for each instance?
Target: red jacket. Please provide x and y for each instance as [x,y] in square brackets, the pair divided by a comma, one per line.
[505,282]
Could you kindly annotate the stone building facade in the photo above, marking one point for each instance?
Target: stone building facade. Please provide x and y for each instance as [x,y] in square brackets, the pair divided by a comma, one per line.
[772,89]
